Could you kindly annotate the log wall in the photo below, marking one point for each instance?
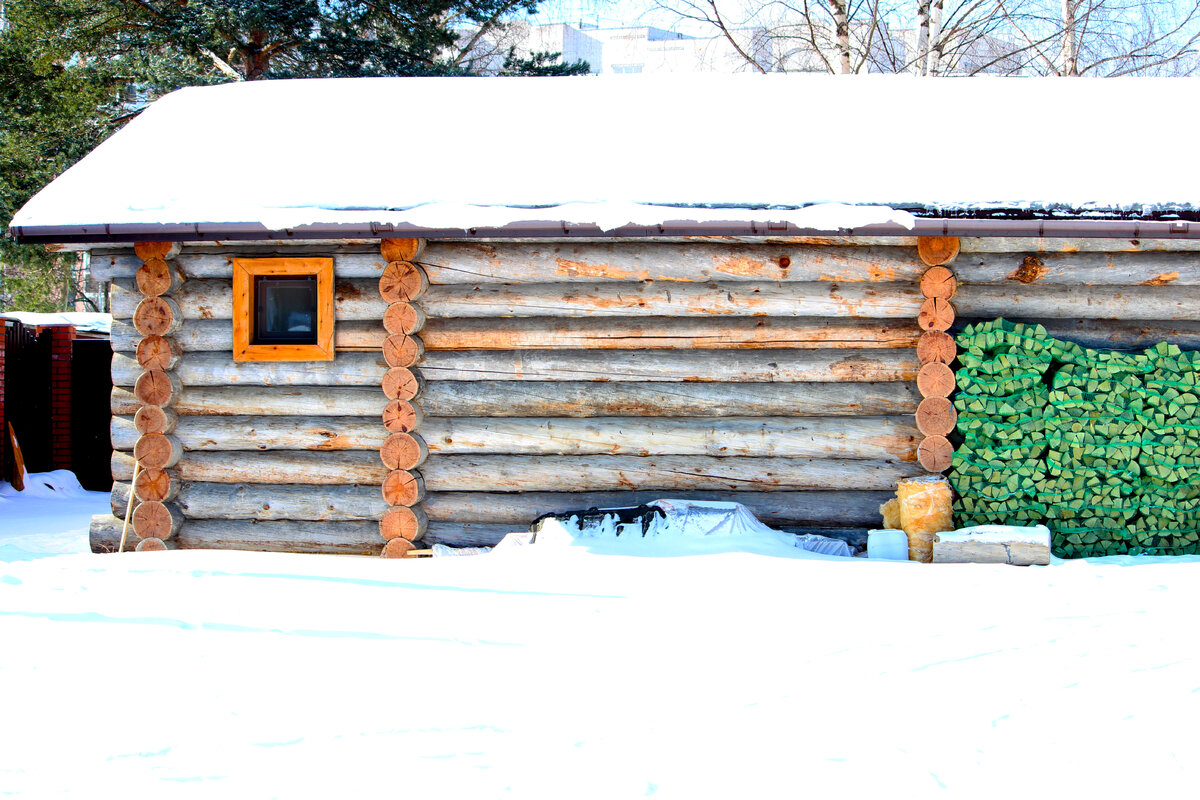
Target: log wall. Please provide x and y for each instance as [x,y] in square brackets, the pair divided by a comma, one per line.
[513,379]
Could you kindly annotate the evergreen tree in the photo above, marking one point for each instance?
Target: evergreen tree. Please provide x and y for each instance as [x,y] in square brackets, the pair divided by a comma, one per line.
[73,71]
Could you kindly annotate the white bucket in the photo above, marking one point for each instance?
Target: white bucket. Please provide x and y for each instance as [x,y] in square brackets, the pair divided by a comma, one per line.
[889,544]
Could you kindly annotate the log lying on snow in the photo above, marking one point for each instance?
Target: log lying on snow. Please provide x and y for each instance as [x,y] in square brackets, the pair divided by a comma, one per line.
[678,333]
[218,369]
[1079,302]
[293,536]
[876,438]
[544,473]
[325,401]
[199,335]
[672,365]
[213,299]
[1115,334]
[993,544]
[1088,269]
[749,299]
[263,433]
[656,399]
[342,467]
[662,473]
[450,262]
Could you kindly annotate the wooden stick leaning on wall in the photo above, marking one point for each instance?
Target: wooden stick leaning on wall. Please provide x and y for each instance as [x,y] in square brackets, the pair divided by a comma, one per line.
[936,417]
[402,283]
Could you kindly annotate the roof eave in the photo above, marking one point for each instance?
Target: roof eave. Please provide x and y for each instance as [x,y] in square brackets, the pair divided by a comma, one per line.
[924,226]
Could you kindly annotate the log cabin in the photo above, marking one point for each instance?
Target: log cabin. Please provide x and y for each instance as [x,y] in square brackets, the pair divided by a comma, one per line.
[361,316]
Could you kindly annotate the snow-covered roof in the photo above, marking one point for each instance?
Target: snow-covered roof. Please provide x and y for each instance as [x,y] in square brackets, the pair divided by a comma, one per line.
[818,152]
[84,321]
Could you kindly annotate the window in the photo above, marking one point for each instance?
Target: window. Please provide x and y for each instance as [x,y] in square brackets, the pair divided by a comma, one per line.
[283,309]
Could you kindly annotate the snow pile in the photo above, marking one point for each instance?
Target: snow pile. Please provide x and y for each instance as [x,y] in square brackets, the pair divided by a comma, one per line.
[50,517]
[82,320]
[684,527]
[999,534]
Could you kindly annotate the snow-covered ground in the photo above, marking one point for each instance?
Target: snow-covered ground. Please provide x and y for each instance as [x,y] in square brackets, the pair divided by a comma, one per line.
[731,669]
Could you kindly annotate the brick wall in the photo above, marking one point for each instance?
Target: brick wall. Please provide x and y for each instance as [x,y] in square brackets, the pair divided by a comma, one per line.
[60,395]
[3,421]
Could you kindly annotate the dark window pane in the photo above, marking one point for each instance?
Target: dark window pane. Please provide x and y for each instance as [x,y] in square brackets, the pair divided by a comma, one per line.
[285,310]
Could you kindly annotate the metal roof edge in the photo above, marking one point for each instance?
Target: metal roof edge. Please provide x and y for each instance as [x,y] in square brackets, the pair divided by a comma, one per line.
[924,226]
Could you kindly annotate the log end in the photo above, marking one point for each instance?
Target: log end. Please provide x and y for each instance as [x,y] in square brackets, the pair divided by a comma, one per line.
[939,282]
[401,249]
[936,417]
[402,416]
[403,451]
[149,250]
[937,251]
[936,380]
[401,383]
[936,315]
[402,282]
[936,347]
[403,523]
[403,488]
[398,548]
[935,453]
[403,318]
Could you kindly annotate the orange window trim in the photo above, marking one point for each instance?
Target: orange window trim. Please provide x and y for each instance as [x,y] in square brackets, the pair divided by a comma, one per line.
[244,272]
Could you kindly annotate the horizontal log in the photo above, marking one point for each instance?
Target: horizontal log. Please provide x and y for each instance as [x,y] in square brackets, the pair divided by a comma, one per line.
[1012,244]
[328,401]
[280,502]
[812,508]
[269,501]
[219,369]
[663,473]
[455,534]
[215,261]
[1087,269]
[1079,302]
[200,335]
[657,399]
[292,536]
[104,534]
[453,262]
[741,366]
[544,473]
[885,438]
[671,299]
[344,467]
[675,333]
[356,299]
[263,433]
[1114,334]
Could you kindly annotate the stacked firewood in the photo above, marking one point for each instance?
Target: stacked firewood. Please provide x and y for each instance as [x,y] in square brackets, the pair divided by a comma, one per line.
[1100,444]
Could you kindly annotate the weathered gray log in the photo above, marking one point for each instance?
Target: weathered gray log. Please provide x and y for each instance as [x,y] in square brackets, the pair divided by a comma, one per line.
[885,438]
[1011,244]
[1114,334]
[263,433]
[199,335]
[218,369]
[670,299]
[104,534]
[203,262]
[452,262]
[738,366]
[812,508]
[1088,269]
[662,473]
[292,536]
[340,467]
[652,398]
[677,333]
[270,501]
[328,401]
[259,501]
[1079,302]
[544,473]
[356,299]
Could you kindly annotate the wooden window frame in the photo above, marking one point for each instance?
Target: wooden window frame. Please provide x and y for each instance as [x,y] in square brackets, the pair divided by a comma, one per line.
[245,270]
